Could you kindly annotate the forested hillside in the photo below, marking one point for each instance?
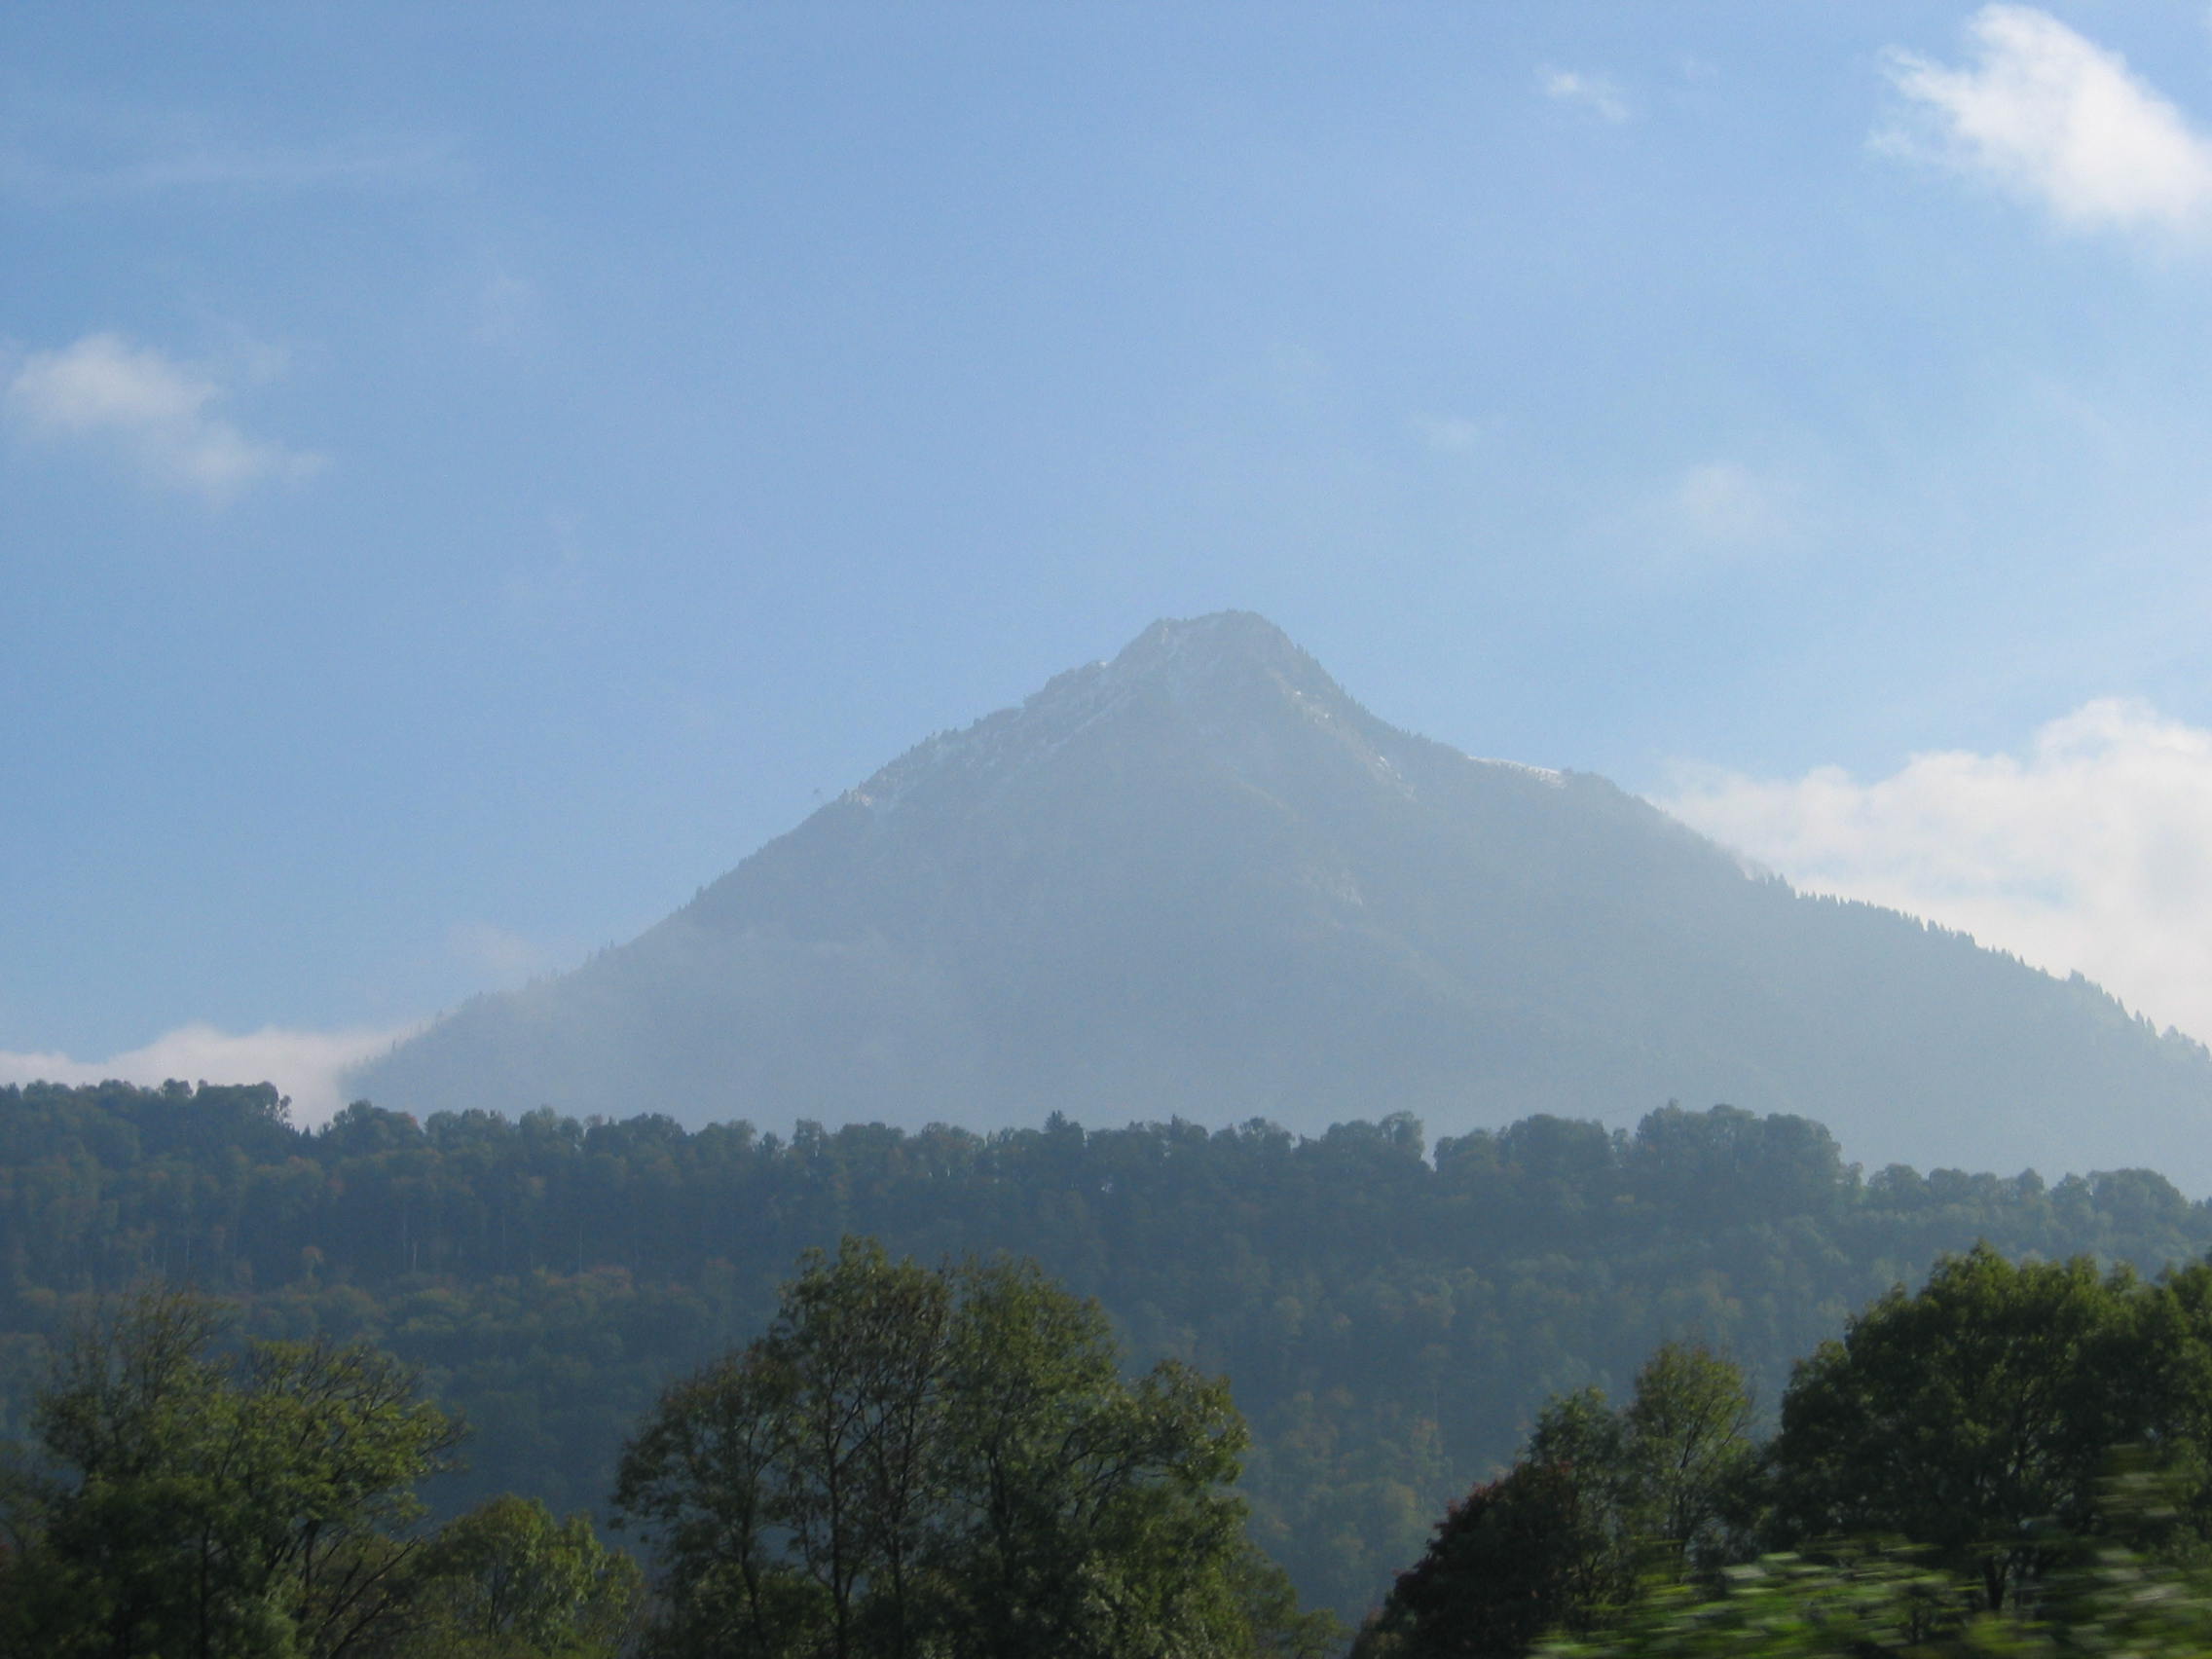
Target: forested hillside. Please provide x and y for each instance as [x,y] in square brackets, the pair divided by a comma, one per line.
[1388,1315]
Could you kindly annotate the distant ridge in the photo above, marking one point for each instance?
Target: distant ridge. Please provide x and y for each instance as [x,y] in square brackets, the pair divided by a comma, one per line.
[1199,879]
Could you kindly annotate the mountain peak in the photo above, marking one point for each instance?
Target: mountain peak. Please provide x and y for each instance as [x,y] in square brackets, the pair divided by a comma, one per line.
[1199,879]
[1217,653]
[1217,634]
[1216,668]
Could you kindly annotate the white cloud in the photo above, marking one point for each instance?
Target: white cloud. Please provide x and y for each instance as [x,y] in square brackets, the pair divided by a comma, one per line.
[2051,116]
[159,412]
[1714,516]
[1448,434]
[1725,505]
[1596,94]
[2090,851]
[59,149]
[309,1066]
[500,955]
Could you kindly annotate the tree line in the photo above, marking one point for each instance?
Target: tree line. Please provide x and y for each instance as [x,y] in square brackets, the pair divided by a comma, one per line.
[1393,1314]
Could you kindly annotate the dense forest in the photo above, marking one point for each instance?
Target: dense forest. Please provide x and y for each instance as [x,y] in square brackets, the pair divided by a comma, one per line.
[1390,1317]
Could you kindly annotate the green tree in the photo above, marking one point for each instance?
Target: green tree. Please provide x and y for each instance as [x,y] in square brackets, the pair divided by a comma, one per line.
[1083,1515]
[1522,1555]
[194,1502]
[1686,1454]
[943,1461]
[1980,1414]
[1600,1501]
[786,1487]
[508,1582]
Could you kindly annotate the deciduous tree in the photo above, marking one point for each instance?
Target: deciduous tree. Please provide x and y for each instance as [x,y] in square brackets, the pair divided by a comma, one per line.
[947,1463]
[508,1582]
[1979,1413]
[1599,1501]
[190,1503]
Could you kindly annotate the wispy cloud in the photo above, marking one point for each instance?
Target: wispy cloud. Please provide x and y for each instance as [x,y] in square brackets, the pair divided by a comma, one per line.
[159,414]
[309,1066]
[2055,118]
[499,955]
[1725,505]
[1594,93]
[60,149]
[1715,515]
[1448,434]
[2092,851]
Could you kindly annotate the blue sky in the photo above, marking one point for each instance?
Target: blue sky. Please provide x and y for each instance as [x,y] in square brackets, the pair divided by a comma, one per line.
[469,475]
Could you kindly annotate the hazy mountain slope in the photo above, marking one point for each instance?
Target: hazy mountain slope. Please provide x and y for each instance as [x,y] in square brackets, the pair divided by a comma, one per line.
[1200,879]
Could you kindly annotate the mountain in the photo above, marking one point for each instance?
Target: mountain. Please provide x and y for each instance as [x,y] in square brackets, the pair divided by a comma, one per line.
[1200,880]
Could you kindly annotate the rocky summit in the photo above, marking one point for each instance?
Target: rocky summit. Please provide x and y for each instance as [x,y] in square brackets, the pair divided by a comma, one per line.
[1199,880]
